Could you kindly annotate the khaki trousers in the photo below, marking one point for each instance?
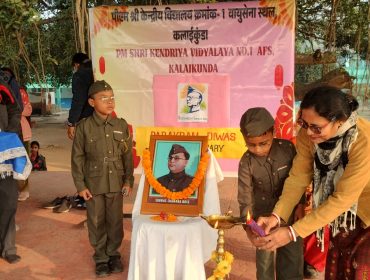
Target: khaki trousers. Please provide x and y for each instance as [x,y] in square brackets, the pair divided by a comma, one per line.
[105,225]
[289,262]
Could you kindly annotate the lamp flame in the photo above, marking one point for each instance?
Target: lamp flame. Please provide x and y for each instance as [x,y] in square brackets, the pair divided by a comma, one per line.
[248,216]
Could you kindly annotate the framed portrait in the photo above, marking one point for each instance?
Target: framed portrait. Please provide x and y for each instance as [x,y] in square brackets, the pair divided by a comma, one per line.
[174,162]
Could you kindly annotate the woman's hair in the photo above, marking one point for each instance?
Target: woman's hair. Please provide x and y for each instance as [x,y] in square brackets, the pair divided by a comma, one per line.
[79,58]
[330,103]
[10,71]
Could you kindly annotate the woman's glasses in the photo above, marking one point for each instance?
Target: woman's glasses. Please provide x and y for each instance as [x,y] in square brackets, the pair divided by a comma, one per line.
[315,129]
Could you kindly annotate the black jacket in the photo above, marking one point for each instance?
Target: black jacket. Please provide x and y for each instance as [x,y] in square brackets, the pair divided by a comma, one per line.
[81,81]
[175,182]
[10,113]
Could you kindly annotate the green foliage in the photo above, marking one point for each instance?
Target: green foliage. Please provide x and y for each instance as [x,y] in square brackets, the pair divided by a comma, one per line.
[54,20]
[22,13]
[15,17]
[351,23]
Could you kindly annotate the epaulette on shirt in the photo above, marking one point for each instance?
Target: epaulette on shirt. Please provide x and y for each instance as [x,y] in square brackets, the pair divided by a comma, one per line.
[81,121]
[285,142]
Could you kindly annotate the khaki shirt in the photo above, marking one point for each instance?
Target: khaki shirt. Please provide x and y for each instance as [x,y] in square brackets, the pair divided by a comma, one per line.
[261,179]
[102,155]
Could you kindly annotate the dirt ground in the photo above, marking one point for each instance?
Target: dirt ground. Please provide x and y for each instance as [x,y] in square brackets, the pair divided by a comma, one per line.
[51,133]
[55,246]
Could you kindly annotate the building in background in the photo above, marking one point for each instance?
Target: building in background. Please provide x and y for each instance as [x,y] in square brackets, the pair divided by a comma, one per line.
[48,100]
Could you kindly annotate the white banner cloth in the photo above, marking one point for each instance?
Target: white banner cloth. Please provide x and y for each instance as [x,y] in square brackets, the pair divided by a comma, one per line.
[174,251]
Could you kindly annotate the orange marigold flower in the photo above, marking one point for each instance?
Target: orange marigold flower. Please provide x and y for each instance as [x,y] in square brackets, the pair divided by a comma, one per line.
[198,178]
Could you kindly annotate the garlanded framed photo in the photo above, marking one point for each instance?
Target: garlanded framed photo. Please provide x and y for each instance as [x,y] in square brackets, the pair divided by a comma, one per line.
[175,169]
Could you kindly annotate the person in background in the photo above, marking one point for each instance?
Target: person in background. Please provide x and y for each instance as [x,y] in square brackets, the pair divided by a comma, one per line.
[10,115]
[23,186]
[262,171]
[333,151]
[102,172]
[38,161]
[82,79]
[7,76]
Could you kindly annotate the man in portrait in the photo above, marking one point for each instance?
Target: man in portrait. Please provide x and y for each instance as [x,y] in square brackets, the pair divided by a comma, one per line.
[176,180]
[194,99]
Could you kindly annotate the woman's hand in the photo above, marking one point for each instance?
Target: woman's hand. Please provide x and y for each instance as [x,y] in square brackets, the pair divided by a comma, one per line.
[276,239]
[267,223]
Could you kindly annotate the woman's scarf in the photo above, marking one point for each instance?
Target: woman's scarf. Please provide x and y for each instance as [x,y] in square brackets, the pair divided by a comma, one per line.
[330,161]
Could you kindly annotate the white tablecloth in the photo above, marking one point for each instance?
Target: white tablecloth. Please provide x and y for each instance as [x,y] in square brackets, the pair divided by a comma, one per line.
[174,251]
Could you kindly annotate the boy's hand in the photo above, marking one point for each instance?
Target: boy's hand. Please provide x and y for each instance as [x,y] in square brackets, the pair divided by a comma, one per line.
[126,190]
[267,223]
[276,239]
[254,238]
[86,194]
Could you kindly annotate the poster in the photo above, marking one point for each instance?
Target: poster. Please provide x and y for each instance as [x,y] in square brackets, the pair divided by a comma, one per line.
[197,68]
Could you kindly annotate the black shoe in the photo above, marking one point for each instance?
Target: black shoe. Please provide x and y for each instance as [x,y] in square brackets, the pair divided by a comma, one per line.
[78,202]
[64,207]
[55,203]
[12,258]
[115,264]
[310,272]
[102,270]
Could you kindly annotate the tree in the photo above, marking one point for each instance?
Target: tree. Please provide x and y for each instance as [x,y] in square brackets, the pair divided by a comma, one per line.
[40,36]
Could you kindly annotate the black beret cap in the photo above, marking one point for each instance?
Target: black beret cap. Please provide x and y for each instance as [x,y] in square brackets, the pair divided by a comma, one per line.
[178,149]
[99,86]
[256,121]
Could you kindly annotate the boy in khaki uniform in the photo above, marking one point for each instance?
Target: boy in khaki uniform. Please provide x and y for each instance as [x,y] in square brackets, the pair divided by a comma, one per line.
[102,170]
[262,171]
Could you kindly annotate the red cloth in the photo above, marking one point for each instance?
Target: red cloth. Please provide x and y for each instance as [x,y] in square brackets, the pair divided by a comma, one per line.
[5,95]
[27,111]
[312,253]
[349,255]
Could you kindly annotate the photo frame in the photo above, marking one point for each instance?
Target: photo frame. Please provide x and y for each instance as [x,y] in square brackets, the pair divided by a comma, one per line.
[168,156]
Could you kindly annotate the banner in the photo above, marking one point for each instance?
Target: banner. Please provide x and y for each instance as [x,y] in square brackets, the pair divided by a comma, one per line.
[224,143]
[197,68]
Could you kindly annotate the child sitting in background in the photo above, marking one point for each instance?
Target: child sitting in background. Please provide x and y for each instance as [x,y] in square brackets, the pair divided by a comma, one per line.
[38,161]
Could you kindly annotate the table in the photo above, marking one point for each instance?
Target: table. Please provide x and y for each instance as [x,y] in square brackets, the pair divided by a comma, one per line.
[174,251]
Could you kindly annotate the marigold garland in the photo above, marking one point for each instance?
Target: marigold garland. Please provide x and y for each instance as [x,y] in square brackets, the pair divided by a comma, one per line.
[163,191]
[165,217]
[223,267]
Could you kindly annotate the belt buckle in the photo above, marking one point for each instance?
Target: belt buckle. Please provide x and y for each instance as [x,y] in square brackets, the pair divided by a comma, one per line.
[105,159]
